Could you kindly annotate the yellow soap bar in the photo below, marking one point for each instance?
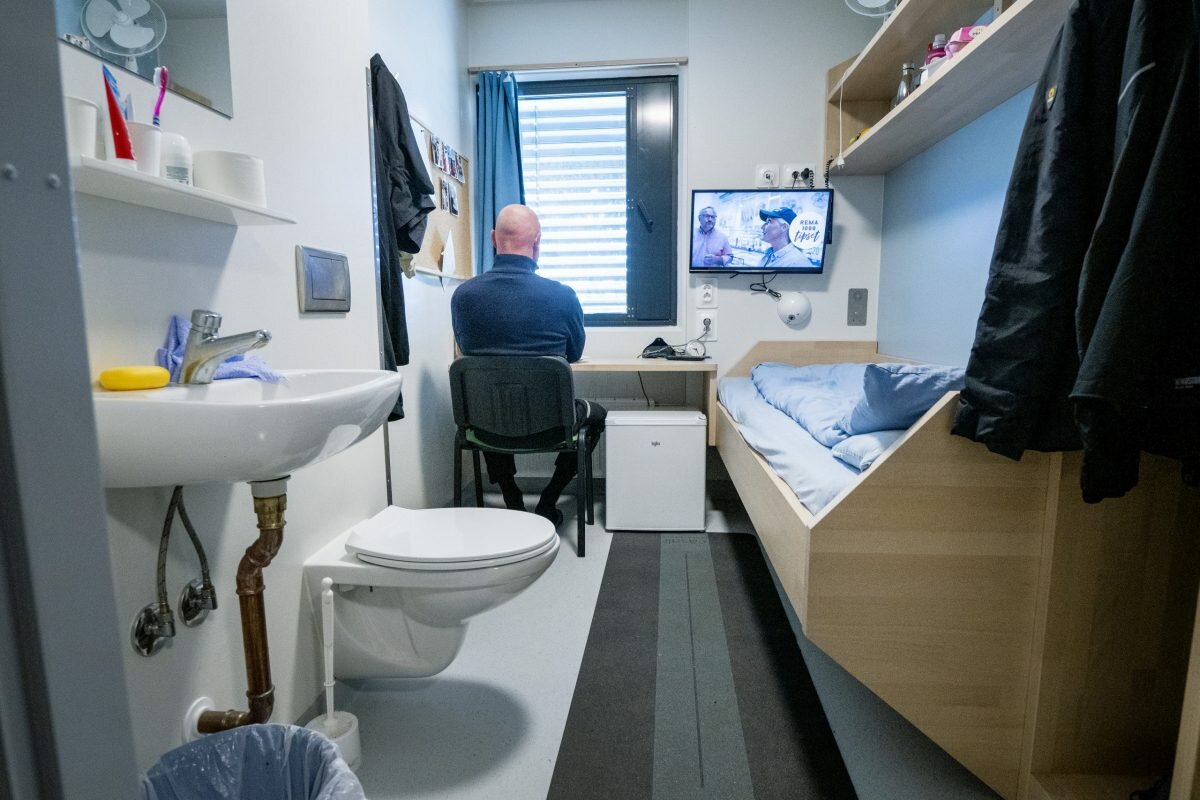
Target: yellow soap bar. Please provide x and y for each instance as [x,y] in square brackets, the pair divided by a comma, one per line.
[123,379]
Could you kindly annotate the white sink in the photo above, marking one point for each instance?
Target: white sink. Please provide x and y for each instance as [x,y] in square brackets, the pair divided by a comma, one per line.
[239,429]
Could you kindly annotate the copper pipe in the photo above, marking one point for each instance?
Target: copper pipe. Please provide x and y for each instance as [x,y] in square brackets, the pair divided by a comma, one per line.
[260,691]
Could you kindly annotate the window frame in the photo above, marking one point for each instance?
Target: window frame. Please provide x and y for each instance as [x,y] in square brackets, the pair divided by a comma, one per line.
[652,277]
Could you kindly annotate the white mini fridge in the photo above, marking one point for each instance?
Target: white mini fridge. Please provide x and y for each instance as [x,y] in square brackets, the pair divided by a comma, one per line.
[654,470]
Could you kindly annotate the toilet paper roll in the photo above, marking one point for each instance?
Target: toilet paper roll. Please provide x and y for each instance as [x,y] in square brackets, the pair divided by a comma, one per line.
[81,118]
[238,175]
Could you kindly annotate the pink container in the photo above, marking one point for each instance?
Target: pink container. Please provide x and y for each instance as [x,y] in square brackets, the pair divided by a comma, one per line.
[963,37]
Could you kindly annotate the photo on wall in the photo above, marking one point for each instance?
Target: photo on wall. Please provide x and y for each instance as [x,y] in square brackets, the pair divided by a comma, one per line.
[451,197]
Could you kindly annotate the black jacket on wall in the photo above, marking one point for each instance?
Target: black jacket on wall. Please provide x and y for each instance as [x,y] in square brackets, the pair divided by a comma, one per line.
[404,198]
[1089,334]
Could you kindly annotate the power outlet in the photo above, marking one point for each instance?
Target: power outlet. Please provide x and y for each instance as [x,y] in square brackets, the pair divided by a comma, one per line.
[766,176]
[706,320]
[856,307]
[706,295]
[793,176]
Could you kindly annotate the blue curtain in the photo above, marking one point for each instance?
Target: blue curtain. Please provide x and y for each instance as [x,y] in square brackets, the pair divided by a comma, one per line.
[498,163]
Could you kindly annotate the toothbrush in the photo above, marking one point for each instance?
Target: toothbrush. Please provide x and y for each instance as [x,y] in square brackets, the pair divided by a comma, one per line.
[161,80]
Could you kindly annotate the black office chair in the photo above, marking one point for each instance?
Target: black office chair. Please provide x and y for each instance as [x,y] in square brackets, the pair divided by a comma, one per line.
[519,404]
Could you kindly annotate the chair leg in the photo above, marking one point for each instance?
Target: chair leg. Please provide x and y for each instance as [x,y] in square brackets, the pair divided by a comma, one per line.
[478,478]
[457,476]
[591,491]
[581,493]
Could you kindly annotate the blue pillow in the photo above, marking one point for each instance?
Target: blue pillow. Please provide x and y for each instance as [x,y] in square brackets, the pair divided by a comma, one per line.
[861,451]
[896,395]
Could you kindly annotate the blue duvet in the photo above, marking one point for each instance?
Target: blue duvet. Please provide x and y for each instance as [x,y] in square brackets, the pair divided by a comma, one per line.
[817,396]
[805,465]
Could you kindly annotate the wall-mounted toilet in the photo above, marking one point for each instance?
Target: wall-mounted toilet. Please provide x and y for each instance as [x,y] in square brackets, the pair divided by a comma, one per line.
[408,581]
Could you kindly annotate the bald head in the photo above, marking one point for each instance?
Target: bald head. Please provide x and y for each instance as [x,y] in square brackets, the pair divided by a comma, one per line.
[517,232]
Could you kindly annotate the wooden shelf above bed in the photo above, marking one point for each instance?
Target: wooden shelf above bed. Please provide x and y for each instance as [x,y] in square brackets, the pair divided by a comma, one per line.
[1008,57]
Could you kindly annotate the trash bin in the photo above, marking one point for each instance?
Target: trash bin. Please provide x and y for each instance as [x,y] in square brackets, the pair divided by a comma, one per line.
[280,762]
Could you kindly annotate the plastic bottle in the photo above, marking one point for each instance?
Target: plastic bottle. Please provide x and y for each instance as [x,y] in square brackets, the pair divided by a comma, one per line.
[937,48]
[906,84]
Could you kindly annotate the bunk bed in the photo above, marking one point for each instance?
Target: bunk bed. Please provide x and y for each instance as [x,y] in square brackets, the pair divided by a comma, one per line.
[936,579]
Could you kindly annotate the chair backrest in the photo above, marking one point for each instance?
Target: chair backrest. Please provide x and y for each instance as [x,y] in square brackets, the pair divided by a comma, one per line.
[507,401]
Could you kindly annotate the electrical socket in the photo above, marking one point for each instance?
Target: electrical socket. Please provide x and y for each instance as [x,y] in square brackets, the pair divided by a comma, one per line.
[790,176]
[766,176]
[706,295]
[711,316]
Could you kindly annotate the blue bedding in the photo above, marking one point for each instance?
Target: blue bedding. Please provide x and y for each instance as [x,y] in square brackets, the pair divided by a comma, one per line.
[804,464]
[817,396]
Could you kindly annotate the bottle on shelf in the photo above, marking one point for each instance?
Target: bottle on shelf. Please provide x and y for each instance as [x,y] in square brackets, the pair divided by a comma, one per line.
[906,84]
[937,48]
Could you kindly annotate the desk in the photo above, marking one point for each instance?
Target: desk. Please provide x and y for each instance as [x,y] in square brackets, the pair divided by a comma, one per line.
[708,369]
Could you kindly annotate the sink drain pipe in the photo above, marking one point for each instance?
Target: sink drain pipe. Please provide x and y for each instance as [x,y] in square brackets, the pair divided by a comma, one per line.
[270,501]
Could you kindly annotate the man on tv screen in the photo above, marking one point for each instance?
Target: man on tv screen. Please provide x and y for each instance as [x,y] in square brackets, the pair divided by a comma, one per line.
[776,233]
[710,245]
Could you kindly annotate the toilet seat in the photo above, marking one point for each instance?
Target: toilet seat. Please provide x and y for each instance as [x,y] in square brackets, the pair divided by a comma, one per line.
[450,538]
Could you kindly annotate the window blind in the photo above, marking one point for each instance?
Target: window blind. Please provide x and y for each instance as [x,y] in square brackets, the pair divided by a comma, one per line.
[573,152]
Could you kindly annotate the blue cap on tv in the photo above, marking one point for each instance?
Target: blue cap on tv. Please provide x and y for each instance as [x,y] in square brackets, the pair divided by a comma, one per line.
[785,214]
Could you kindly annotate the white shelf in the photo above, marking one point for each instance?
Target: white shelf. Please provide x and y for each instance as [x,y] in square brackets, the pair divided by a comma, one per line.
[439,274]
[115,182]
[1008,57]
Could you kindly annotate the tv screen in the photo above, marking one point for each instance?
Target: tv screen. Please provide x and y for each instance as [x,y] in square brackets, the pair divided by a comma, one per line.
[760,230]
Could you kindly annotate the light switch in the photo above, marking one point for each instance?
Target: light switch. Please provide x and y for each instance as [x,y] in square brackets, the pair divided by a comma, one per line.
[856,307]
[323,278]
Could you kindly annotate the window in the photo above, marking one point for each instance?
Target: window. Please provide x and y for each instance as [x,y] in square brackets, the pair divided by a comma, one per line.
[599,163]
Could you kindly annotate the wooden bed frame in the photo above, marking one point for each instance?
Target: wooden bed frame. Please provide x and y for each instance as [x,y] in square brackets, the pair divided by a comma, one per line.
[1046,644]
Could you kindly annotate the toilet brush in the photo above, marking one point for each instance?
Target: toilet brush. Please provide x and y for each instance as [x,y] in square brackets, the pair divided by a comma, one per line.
[339,726]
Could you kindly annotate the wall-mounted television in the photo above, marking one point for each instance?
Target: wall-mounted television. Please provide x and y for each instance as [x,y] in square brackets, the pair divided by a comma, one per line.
[760,230]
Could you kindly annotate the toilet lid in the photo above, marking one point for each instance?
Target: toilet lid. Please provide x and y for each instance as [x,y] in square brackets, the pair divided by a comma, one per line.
[450,538]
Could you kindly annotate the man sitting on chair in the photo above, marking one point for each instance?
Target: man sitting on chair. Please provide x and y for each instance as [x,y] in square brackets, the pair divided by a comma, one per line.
[512,311]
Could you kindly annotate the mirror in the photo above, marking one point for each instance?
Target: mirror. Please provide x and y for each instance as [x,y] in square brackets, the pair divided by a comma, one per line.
[189,37]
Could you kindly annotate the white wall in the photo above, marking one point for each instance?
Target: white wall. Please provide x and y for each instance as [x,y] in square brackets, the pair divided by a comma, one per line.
[303,109]
[434,78]
[752,92]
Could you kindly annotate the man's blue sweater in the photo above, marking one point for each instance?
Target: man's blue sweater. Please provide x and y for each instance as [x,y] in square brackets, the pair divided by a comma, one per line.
[512,311]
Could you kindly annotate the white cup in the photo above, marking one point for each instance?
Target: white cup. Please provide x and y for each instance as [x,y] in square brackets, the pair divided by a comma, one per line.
[176,158]
[81,116]
[147,146]
[237,175]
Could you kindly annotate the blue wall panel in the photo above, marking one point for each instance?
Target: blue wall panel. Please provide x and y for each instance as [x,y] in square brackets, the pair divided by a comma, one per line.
[941,210]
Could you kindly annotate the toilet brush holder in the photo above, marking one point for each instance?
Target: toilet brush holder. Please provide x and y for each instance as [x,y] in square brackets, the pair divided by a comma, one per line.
[343,732]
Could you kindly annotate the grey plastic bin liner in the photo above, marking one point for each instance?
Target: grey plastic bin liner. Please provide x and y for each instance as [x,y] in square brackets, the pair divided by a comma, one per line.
[257,762]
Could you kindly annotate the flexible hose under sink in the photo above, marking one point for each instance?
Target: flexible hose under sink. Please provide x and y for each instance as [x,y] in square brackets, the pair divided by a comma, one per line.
[164,603]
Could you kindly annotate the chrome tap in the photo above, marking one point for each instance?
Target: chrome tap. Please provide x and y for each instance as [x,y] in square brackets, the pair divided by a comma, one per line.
[205,352]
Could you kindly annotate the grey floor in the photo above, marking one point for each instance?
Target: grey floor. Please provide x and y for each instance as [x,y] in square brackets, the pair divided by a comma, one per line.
[490,725]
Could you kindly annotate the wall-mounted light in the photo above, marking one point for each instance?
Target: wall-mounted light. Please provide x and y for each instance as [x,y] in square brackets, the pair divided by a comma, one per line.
[794,310]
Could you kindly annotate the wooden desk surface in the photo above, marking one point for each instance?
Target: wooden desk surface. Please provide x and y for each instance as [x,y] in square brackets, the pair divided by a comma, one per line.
[642,365]
[707,370]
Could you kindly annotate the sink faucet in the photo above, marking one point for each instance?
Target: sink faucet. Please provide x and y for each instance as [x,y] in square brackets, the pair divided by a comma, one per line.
[205,352]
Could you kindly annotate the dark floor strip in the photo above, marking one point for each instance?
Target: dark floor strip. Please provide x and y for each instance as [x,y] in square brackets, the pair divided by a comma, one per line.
[737,715]
[789,743]
[608,744]
[698,747]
